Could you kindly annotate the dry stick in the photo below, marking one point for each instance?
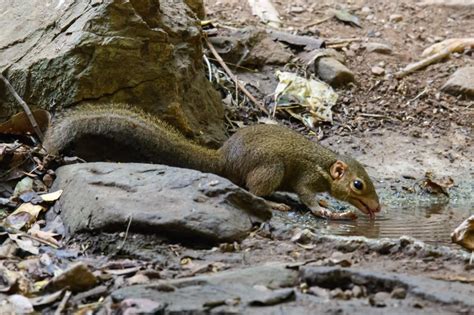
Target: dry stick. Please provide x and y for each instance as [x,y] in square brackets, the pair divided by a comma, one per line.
[425,62]
[335,41]
[327,18]
[126,233]
[232,76]
[27,110]
[62,305]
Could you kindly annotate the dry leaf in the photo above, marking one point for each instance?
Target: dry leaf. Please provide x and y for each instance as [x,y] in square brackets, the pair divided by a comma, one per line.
[265,10]
[345,16]
[315,97]
[464,234]
[52,196]
[25,244]
[437,186]
[46,236]
[8,279]
[24,215]
[19,124]
[46,299]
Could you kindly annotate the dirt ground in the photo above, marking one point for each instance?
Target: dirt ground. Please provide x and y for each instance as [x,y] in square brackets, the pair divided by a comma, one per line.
[399,127]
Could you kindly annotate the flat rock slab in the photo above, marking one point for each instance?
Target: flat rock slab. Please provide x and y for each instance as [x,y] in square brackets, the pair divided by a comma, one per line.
[179,204]
[437,291]
[275,288]
[461,83]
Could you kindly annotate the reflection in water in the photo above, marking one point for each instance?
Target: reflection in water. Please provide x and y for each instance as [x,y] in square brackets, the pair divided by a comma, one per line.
[432,224]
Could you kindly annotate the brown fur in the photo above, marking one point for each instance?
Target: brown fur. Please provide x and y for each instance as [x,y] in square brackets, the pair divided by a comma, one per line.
[262,158]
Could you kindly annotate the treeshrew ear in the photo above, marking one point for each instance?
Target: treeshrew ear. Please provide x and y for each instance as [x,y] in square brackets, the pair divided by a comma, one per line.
[338,169]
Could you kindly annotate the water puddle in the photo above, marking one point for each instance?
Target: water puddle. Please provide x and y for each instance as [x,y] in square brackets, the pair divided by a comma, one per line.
[429,223]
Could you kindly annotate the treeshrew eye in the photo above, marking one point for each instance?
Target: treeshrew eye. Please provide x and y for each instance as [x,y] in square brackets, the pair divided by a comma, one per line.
[358,184]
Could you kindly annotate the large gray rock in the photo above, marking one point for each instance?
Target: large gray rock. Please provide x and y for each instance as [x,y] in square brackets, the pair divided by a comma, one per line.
[146,53]
[461,83]
[181,204]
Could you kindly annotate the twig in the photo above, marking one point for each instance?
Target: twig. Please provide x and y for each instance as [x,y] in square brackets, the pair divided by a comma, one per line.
[327,18]
[232,76]
[209,69]
[126,233]
[334,41]
[63,303]
[425,90]
[27,110]
[424,62]
[18,233]
[372,115]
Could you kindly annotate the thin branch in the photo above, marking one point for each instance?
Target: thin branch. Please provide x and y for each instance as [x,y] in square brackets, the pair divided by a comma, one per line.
[63,303]
[126,233]
[23,104]
[424,62]
[233,77]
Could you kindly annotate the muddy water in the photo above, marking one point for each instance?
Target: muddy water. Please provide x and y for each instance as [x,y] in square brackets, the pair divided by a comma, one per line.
[431,223]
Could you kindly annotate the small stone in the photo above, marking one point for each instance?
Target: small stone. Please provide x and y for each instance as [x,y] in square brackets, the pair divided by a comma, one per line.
[418,305]
[337,294]
[379,48]
[48,180]
[348,294]
[137,279]
[303,237]
[341,259]
[365,10]
[357,291]
[461,83]
[378,70]
[333,72]
[395,18]
[21,304]
[379,299]
[320,292]
[354,46]
[399,293]
[297,9]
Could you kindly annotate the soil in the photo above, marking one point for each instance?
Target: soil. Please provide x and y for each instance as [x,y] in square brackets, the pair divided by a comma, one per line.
[400,129]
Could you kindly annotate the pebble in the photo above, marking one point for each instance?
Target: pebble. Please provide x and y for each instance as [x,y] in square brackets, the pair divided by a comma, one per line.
[461,83]
[357,291]
[399,293]
[379,48]
[379,299]
[333,72]
[318,291]
[378,70]
[337,294]
[395,18]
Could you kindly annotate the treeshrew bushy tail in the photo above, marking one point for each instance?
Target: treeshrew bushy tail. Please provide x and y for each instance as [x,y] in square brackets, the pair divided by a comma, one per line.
[130,129]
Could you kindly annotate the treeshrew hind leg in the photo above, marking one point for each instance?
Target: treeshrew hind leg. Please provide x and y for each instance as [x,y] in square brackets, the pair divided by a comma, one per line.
[263,180]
